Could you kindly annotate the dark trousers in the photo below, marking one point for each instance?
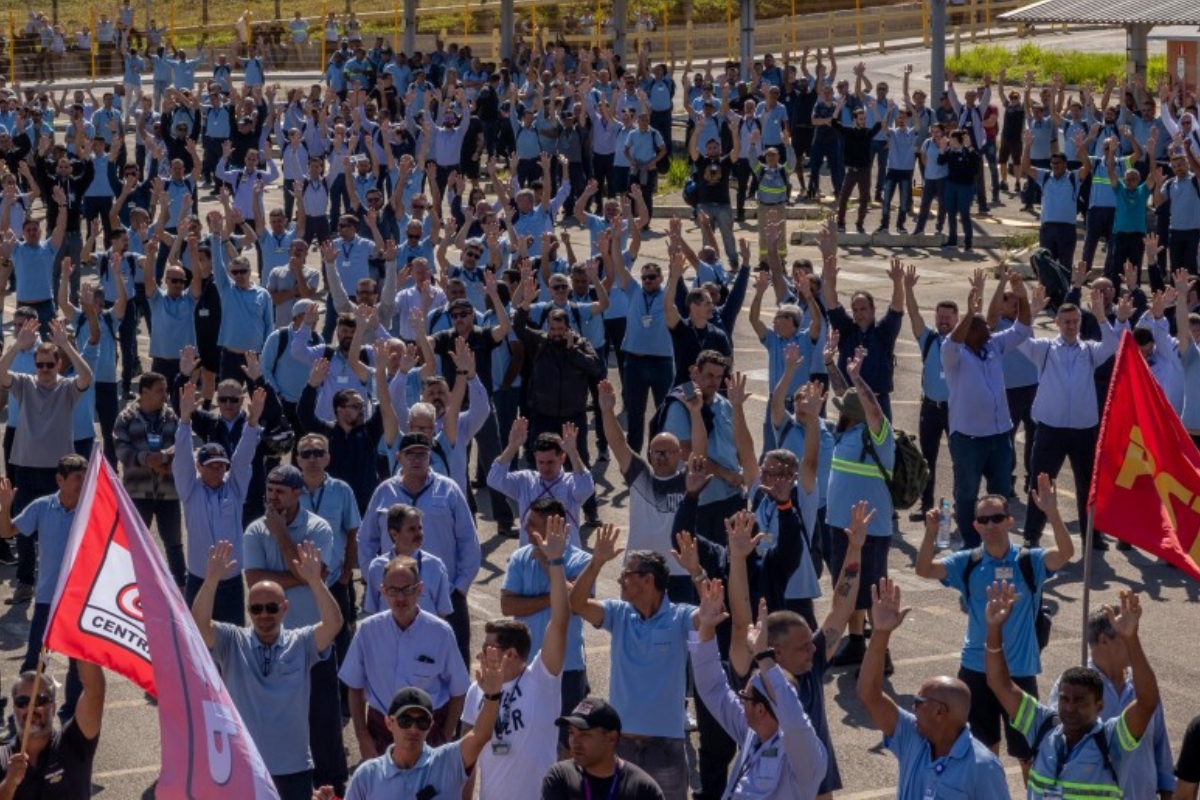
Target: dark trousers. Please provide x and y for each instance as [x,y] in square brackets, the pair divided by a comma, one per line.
[229,603]
[745,177]
[528,171]
[976,458]
[661,122]
[647,179]
[579,179]
[339,200]
[902,179]
[127,332]
[1059,239]
[825,152]
[231,366]
[1099,226]
[957,197]
[614,335]
[167,367]
[934,423]
[166,513]
[1129,247]
[710,522]
[37,632]
[856,178]
[643,375]
[296,786]
[879,160]
[1182,247]
[1020,410]
[1052,446]
[108,406]
[33,482]
[931,190]
[602,164]
[460,622]
[98,207]
[325,726]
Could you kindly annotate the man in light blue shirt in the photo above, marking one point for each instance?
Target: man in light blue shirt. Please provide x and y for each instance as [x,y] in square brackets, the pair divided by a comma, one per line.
[247,318]
[979,421]
[1060,195]
[938,755]
[649,659]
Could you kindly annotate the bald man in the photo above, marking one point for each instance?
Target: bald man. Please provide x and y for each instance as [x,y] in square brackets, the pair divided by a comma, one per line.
[932,742]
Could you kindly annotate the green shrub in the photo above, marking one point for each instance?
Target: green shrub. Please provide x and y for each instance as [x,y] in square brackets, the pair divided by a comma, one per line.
[1076,67]
[677,174]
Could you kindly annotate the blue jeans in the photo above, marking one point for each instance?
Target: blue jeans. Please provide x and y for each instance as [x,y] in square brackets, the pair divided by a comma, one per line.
[903,179]
[957,197]
[879,157]
[37,632]
[825,151]
[643,374]
[976,458]
[930,191]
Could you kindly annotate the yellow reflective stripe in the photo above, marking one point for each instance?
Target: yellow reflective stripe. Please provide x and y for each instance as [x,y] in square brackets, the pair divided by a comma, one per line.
[881,437]
[1125,737]
[1023,721]
[857,468]
[1078,791]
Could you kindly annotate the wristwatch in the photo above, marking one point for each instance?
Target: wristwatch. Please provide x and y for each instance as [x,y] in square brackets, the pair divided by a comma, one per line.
[768,653]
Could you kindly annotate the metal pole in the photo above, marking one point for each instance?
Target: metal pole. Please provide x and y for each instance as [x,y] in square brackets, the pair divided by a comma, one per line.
[746,56]
[1087,584]
[937,56]
[506,28]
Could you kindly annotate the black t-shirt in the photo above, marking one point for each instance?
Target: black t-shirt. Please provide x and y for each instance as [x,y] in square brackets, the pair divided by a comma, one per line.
[712,179]
[63,770]
[689,341]
[1187,768]
[565,780]
[481,343]
[1013,124]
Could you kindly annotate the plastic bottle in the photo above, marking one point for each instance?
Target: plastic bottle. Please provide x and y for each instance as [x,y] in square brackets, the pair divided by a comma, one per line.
[943,534]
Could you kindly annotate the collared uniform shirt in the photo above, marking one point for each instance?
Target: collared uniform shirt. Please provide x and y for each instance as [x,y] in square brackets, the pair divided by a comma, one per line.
[438,767]
[46,518]
[1065,372]
[435,592]
[978,401]
[527,486]
[969,771]
[527,578]
[262,552]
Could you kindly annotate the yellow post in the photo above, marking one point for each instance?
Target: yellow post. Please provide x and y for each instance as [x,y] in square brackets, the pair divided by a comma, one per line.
[533,19]
[858,24]
[596,32]
[666,46]
[882,36]
[496,43]
[466,21]
[728,30]
[395,26]
[688,27]
[12,45]
[793,26]
[987,17]
[958,41]
[92,49]
[324,44]
[172,22]
[974,7]
[925,22]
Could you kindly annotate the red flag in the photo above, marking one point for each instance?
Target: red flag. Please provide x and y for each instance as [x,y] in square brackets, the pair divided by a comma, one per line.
[1146,482]
[117,606]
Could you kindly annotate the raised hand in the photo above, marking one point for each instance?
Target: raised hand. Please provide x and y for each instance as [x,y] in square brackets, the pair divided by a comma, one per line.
[738,395]
[886,611]
[1126,622]
[687,555]
[555,542]
[711,611]
[697,476]
[605,547]
[519,433]
[1045,496]
[219,562]
[308,562]
[1001,598]
[739,530]
[861,515]
[608,396]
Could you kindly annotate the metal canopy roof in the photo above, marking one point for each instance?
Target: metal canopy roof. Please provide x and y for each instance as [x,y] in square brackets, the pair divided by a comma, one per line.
[1109,12]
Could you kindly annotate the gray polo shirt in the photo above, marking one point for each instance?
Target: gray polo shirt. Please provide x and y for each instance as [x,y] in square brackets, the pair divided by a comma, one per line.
[45,430]
[265,684]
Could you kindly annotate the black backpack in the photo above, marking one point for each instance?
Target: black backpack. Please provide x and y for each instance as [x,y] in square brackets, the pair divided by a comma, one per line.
[1051,722]
[911,471]
[659,420]
[1041,618]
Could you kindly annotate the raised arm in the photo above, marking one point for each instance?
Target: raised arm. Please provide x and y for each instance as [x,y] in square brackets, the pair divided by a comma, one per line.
[604,550]
[886,616]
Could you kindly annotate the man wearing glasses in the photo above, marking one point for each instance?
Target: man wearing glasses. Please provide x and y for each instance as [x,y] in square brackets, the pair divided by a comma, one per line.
[936,748]
[398,647]
[649,356]
[971,572]
[267,667]
[273,546]
[212,490]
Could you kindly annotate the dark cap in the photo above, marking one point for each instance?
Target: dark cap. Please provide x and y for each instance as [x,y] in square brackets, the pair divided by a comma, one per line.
[591,713]
[461,302]
[286,475]
[850,406]
[410,440]
[408,699]
[211,452]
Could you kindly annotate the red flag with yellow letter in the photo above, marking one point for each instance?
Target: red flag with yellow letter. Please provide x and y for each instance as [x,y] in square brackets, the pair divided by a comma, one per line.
[1146,483]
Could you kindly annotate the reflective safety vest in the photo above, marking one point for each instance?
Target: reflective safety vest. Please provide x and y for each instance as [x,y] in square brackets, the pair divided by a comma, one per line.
[772,184]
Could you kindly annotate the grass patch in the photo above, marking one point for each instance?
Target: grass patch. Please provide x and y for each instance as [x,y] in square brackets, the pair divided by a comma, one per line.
[676,176]
[1075,67]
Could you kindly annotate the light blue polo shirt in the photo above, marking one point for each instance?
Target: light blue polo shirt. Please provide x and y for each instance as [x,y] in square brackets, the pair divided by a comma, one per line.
[721,447]
[1191,387]
[34,268]
[83,416]
[1079,767]
[47,518]
[267,702]
[440,768]
[1185,202]
[351,258]
[1020,635]
[646,323]
[435,591]
[776,349]
[791,436]
[1019,371]
[106,358]
[334,502]
[933,374]
[774,121]
[854,476]
[261,552]
[174,324]
[643,145]
[968,770]
[803,583]
[527,578]
[649,666]
[1059,195]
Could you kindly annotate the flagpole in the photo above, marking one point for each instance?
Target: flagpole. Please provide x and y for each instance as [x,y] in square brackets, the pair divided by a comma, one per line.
[1088,535]
[37,684]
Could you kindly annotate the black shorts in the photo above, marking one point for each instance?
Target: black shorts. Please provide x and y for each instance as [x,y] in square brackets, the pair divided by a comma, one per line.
[874,563]
[209,352]
[987,715]
[802,138]
[1010,150]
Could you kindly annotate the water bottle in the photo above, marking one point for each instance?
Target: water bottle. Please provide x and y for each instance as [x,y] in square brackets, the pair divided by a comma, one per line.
[943,534]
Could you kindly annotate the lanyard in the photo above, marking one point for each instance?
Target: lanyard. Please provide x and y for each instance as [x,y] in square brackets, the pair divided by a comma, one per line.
[612,789]
[347,249]
[751,758]
[413,499]
[648,298]
[315,499]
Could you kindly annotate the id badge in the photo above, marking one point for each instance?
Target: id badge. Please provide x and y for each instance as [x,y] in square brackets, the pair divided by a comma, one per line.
[1004,574]
[342,379]
[647,321]
[202,313]
[1052,793]
[500,748]
[279,250]
[930,793]
[154,440]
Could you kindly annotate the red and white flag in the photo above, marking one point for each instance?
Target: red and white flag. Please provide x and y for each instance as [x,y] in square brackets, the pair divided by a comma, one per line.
[117,606]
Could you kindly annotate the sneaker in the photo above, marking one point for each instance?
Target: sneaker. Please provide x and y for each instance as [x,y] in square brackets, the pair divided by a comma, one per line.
[883,228]
[841,228]
[889,668]
[1099,543]
[506,530]
[918,231]
[950,243]
[591,520]
[7,557]
[967,247]
[1124,546]
[22,594]
[860,228]
[901,229]
[1004,185]
[917,516]
[602,455]
[850,652]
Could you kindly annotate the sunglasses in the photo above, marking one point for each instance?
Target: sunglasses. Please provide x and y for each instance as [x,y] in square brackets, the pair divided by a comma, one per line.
[460,315]
[24,700]
[559,288]
[626,573]
[413,235]
[239,272]
[229,399]
[647,278]
[344,226]
[422,723]
[177,281]
[47,365]
[919,701]
[311,453]
[991,519]
[397,591]
[263,608]
[472,254]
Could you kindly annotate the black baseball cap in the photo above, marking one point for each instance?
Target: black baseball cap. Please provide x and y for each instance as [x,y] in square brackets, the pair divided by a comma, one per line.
[591,713]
